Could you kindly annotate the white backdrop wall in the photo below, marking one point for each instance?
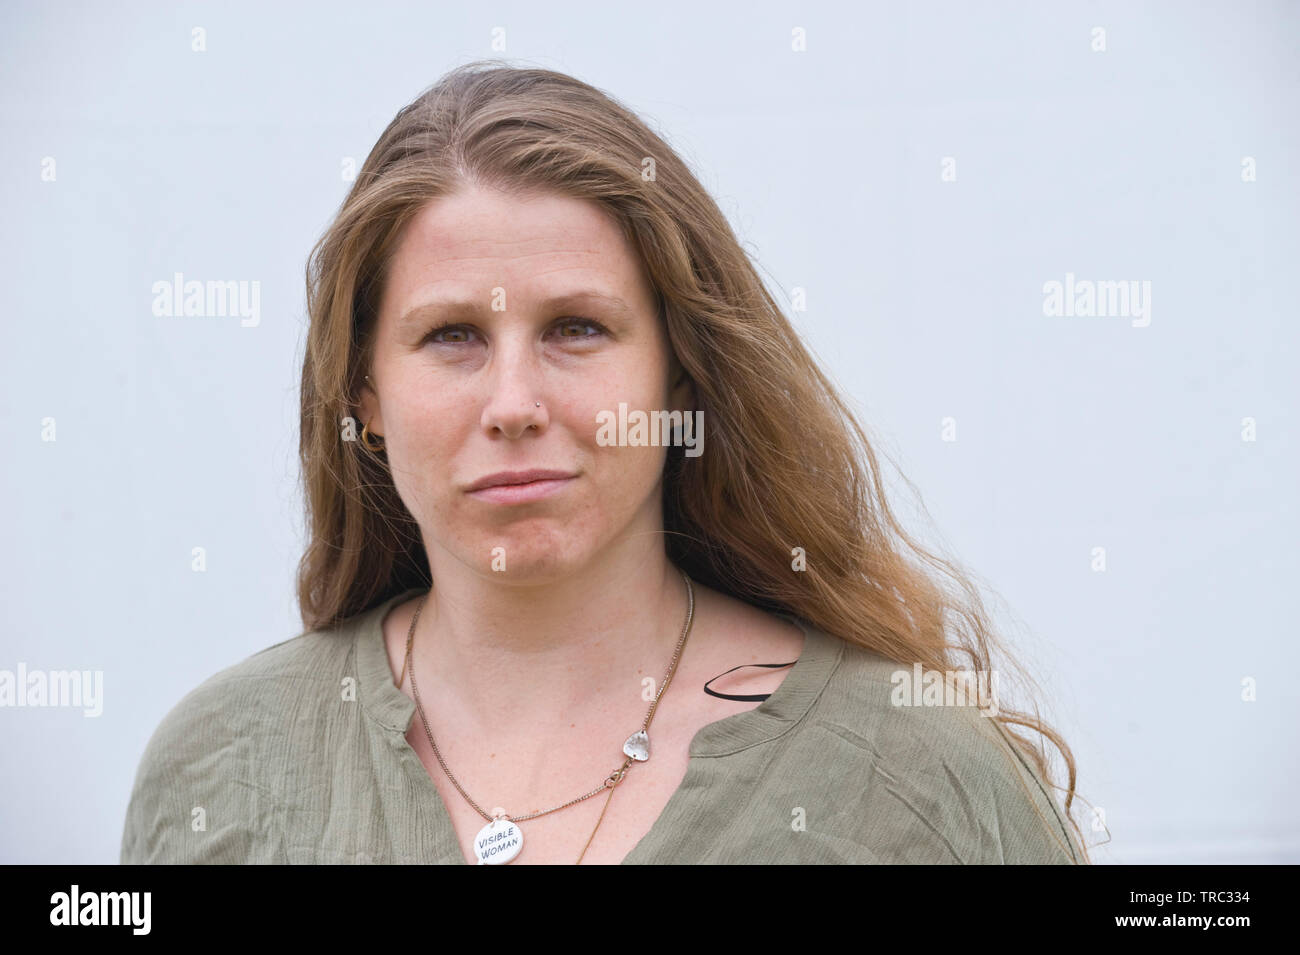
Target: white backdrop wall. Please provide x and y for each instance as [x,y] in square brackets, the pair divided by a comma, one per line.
[909,177]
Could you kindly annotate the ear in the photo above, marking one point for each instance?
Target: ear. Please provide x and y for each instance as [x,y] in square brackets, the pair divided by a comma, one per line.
[681,390]
[368,409]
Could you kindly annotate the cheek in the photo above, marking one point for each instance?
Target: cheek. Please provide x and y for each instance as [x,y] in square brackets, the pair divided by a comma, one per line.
[426,431]
[637,380]
[623,475]
[626,478]
[430,437]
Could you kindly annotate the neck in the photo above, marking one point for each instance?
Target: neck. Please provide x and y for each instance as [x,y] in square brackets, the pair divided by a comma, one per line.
[508,654]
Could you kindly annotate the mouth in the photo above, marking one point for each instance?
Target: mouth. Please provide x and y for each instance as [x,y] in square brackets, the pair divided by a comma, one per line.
[517,487]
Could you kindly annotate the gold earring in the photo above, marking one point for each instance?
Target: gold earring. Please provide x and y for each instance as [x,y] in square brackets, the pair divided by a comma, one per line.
[365,439]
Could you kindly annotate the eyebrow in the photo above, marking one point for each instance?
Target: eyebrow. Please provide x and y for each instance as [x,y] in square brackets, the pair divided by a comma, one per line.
[454,304]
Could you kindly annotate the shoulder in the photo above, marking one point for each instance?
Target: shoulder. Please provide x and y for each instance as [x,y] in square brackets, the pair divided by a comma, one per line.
[253,693]
[203,790]
[942,775]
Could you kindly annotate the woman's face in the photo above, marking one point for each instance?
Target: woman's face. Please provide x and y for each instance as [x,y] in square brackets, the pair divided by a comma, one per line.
[543,300]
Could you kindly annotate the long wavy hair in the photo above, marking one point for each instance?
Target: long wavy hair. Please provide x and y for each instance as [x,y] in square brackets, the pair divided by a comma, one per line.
[787,466]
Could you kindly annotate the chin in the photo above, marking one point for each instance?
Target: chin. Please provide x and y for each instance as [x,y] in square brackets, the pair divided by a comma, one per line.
[534,556]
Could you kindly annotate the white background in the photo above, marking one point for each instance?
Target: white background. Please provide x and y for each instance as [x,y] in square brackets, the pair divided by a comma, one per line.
[924,302]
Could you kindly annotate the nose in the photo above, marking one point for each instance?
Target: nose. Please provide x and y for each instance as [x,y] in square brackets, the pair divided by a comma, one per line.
[515,402]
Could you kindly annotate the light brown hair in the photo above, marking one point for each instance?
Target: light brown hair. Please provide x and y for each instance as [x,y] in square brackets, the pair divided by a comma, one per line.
[786,463]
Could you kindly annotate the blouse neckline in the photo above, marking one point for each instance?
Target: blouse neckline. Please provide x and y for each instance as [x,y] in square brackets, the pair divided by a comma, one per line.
[392,710]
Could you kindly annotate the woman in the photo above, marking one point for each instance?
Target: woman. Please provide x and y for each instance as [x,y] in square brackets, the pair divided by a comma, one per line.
[569,471]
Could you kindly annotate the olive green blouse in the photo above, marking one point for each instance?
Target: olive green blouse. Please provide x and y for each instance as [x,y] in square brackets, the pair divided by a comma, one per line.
[299,755]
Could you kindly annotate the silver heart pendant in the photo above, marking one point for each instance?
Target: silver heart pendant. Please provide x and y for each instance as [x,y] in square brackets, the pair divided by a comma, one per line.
[638,746]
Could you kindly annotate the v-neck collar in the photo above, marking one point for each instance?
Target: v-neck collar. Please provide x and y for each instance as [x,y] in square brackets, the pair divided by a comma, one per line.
[392,710]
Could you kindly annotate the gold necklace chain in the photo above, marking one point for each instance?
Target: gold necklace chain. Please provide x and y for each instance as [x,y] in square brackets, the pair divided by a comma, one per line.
[612,780]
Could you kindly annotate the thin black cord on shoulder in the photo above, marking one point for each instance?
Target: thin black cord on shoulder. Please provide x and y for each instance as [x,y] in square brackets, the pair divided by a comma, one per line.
[740,698]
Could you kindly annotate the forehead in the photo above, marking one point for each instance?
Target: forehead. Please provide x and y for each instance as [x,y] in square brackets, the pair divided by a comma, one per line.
[534,245]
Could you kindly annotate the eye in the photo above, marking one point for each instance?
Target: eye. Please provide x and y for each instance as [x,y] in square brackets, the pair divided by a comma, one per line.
[449,328]
[581,323]
[445,334]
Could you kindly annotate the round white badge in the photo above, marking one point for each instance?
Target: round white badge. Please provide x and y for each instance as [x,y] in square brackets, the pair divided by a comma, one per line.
[498,842]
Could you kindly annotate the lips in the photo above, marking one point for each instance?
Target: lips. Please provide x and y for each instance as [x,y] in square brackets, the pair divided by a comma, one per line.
[528,486]
[512,478]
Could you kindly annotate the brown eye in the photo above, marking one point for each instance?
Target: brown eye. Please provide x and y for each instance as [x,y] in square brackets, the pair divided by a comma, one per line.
[450,334]
[444,335]
[581,323]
